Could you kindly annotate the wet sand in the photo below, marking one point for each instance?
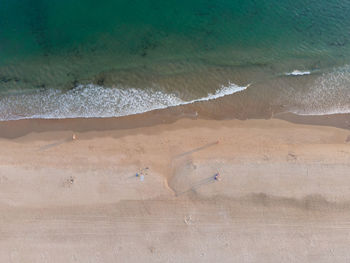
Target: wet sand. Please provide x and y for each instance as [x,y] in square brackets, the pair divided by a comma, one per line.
[283,193]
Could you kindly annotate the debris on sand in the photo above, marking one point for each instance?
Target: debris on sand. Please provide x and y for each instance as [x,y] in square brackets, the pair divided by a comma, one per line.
[69,182]
[188,220]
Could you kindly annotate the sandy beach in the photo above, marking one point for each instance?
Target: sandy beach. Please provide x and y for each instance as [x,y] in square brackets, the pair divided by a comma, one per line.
[147,193]
[174,131]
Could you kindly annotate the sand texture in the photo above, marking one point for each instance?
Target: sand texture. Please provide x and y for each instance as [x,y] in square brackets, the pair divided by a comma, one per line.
[149,194]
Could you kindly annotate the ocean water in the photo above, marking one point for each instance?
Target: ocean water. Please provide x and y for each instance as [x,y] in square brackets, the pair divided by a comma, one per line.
[61,59]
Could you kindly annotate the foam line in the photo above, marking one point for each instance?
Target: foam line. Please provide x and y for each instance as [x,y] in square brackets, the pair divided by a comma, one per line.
[298,73]
[328,94]
[93,101]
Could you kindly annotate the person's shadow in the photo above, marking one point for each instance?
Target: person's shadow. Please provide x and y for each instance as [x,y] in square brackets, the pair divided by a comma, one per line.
[51,145]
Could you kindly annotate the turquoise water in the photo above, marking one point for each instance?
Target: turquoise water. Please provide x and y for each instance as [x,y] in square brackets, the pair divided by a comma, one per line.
[63,58]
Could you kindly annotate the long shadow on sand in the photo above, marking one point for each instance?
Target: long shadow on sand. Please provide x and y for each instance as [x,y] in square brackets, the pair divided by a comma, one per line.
[197,185]
[186,175]
[196,149]
[51,145]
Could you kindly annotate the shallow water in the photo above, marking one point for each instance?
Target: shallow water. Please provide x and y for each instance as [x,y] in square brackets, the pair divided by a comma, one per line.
[149,54]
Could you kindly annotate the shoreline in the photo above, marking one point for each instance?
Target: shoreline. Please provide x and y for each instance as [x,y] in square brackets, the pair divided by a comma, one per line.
[18,128]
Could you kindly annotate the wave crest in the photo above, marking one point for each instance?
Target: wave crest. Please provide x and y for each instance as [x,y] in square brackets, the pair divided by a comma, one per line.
[298,73]
[93,101]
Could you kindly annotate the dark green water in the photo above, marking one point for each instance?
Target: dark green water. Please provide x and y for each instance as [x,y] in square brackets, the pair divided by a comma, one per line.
[86,58]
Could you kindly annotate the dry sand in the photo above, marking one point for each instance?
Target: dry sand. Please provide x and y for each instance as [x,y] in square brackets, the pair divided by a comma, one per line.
[284,194]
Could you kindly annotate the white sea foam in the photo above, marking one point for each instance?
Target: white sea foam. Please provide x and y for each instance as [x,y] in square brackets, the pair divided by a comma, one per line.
[328,94]
[298,73]
[223,91]
[89,101]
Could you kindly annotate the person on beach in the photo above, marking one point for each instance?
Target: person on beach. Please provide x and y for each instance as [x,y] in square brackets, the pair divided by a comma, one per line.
[217,177]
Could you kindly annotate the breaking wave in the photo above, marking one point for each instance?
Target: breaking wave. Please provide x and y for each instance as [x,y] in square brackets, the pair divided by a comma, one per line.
[328,94]
[298,73]
[93,101]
